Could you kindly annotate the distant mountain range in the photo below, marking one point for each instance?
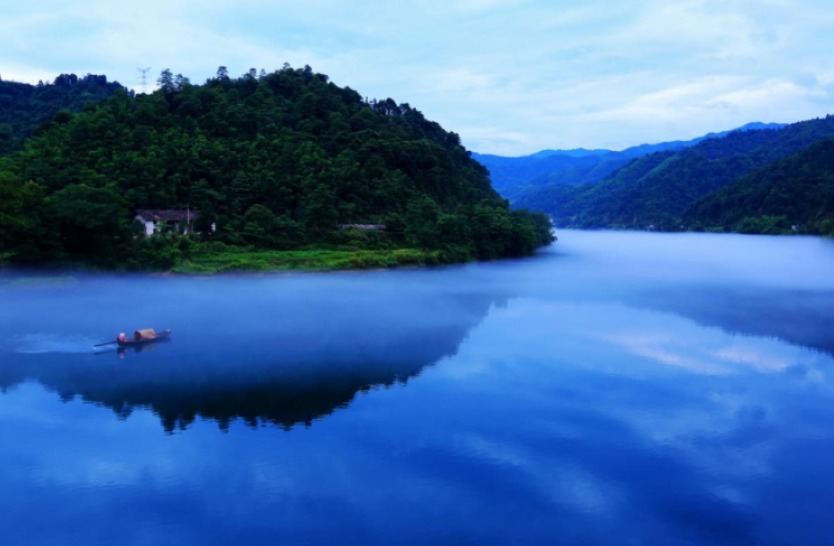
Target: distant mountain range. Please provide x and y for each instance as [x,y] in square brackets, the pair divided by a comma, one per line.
[761,178]
[515,177]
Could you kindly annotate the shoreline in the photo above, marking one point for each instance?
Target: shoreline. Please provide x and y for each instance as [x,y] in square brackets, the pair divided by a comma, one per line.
[238,262]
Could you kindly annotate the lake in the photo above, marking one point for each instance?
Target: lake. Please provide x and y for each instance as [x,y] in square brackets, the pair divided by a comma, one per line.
[617,388]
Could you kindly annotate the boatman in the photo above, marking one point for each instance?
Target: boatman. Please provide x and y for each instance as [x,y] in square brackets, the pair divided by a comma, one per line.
[122,337]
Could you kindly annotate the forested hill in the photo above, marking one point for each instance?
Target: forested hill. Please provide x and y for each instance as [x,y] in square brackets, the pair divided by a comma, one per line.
[793,194]
[275,161]
[24,107]
[658,189]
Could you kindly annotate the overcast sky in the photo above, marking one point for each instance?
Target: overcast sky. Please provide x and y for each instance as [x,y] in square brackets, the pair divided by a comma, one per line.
[510,76]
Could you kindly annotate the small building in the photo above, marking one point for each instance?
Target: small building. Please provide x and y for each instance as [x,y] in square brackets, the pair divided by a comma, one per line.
[364,227]
[176,221]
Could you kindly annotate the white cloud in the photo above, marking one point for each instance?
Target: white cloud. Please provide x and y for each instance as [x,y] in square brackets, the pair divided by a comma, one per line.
[510,76]
[743,354]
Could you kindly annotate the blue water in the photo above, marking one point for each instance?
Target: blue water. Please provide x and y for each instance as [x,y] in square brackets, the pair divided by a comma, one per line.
[618,388]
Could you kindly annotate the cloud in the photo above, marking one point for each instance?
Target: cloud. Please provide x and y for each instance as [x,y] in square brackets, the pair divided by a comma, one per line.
[720,355]
[511,76]
[690,108]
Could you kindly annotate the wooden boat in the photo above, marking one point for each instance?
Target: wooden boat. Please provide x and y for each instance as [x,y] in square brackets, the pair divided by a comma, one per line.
[142,337]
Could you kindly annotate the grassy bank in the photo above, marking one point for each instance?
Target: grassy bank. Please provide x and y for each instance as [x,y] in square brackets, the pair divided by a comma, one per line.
[235,259]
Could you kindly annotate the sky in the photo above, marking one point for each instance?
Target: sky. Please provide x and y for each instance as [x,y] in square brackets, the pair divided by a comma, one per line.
[511,77]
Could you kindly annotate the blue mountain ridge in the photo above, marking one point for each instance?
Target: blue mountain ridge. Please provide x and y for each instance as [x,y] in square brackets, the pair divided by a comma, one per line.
[514,177]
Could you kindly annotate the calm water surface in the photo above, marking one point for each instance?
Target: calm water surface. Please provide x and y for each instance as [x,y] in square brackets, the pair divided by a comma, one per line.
[619,388]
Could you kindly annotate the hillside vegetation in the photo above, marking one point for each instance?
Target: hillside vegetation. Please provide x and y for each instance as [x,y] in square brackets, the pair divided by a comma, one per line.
[23,107]
[521,178]
[275,161]
[793,194]
[658,190]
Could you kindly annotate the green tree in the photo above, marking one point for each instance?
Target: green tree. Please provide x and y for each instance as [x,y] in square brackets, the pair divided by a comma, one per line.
[320,212]
[421,222]
[264,229]
[93,222]
[27,232]
[166,81]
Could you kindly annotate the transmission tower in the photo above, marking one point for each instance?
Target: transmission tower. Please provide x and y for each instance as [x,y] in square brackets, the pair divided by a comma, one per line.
[144,78]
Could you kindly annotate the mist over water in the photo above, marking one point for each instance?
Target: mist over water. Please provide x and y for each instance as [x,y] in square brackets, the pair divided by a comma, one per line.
[616,388]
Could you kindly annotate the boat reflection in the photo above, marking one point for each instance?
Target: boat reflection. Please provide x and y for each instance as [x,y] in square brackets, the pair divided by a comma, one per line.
[142,347]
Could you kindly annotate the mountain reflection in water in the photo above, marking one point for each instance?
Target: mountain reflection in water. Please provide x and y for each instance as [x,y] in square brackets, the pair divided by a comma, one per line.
[279,350]
[618,388]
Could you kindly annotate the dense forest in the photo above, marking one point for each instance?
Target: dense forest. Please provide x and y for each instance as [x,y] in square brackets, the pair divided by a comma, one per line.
[274,161]
[793,194]
[660,190]
[23,107]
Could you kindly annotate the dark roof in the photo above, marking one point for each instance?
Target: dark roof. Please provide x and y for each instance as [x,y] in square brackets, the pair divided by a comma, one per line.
[167,215]
[361,226]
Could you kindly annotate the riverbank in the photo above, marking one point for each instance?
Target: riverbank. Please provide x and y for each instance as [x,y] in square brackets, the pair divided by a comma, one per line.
[236,259]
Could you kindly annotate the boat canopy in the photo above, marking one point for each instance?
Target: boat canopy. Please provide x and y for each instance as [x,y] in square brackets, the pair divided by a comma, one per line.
[145,333]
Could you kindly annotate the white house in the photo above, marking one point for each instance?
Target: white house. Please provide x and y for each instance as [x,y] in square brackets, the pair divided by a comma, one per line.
[179,221]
